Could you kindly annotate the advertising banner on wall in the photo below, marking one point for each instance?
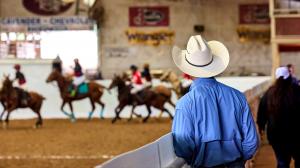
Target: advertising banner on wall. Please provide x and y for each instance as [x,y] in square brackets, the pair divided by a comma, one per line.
[36,24]
[254,14]
[149,16]
[254,23]
[47,7]
[153,38]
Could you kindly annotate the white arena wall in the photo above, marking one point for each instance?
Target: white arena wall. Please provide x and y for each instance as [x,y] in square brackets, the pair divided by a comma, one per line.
[37,72]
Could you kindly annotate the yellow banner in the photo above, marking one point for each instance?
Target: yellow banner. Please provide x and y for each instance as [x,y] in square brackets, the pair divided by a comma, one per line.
[254,33]
[153,38]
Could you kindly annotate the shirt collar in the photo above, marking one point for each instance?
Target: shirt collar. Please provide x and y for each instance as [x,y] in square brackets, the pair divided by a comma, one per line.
[203,81]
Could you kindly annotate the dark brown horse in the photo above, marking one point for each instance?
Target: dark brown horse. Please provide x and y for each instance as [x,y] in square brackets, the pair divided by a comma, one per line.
[2,101]
[150,97]
[95,92]
[11,96]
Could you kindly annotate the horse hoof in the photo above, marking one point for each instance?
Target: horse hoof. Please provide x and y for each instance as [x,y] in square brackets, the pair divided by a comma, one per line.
[90,115]
[145,120]
[113,120]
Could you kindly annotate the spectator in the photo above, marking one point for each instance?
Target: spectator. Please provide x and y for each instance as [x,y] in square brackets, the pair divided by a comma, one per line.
[279,111]
[213,124]
[291,69]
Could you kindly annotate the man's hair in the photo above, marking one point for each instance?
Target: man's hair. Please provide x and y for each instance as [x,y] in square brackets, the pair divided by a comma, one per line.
[289,65]
[280,93]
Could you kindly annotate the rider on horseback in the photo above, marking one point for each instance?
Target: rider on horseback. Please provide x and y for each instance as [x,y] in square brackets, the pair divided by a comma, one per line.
[79,77]
[137,83]
[147,76]
[20,77]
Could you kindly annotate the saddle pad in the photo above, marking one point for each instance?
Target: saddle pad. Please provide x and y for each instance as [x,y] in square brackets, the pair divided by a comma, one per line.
[83,88]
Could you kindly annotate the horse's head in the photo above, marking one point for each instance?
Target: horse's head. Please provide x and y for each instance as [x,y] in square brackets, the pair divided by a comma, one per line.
[165,76]
[7,83]
[54,76]
[117,81]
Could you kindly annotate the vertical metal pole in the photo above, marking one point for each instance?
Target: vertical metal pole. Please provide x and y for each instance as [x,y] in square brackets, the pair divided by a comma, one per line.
[77,7]
[274,44]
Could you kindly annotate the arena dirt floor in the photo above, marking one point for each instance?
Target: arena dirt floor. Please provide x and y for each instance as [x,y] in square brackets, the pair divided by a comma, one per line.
[82,144]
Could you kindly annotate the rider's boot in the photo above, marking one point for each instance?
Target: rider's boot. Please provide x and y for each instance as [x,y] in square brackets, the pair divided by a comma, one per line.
[73,92]
[24,98]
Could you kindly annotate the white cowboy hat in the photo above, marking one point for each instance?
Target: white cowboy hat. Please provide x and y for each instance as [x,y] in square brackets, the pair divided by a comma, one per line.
[201,58]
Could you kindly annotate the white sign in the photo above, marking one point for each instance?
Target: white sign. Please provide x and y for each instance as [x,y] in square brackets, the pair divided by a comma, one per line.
[36,24]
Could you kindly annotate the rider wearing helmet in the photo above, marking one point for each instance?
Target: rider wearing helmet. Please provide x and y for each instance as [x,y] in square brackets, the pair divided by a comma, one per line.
[79,77]
[137,82]
[20,77]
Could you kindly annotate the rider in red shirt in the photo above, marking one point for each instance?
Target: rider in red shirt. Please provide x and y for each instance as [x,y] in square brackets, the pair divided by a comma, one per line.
[136,75]
[137,82]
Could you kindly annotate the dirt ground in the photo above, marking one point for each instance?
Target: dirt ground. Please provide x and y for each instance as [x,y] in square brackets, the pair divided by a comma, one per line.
[82,144]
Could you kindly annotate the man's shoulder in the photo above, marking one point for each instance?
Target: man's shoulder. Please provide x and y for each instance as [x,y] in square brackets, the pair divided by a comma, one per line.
[183,102]
[231,90]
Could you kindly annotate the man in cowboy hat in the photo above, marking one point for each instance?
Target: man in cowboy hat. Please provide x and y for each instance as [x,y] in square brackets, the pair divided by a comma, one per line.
[213,125]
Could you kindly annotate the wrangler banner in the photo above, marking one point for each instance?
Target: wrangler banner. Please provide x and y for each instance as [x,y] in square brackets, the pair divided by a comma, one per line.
[154,38]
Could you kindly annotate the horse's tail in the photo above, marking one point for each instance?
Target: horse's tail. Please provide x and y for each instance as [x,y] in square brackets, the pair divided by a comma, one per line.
[103,87]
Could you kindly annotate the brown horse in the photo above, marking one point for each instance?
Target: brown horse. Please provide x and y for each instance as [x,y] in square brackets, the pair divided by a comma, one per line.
[95,92]
[150,97]
[11,96]
[2,101]
[172,77]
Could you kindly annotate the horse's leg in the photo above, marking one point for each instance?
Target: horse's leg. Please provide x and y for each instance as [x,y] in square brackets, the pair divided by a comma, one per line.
[37,110]
[62,109]
[93,109]
[120,107]
[132,111]
[5,124]
[2,114]
[72,116]
[102,108]
[171,103]
[170,115]
[149,113]
[4,108]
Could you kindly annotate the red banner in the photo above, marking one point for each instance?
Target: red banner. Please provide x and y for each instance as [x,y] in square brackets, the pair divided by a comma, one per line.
[254,14]
[288,26]
[46,7]
[149,16]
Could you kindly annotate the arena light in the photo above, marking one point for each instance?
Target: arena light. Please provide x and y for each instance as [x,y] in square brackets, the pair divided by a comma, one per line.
[4,37]
[29,37]
[68,1]
[89,2]
[12,36]
[21,37]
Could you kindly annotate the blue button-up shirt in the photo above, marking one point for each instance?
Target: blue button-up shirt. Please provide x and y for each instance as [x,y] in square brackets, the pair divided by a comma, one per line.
[213,125]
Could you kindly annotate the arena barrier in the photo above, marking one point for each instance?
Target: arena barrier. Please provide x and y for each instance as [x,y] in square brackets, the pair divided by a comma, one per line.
[160,153]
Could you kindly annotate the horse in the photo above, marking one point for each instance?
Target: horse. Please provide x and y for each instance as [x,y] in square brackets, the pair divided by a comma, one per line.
[11,97]
[160,89]
[95,92]
[169,76]
[150,97]
[2,101]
